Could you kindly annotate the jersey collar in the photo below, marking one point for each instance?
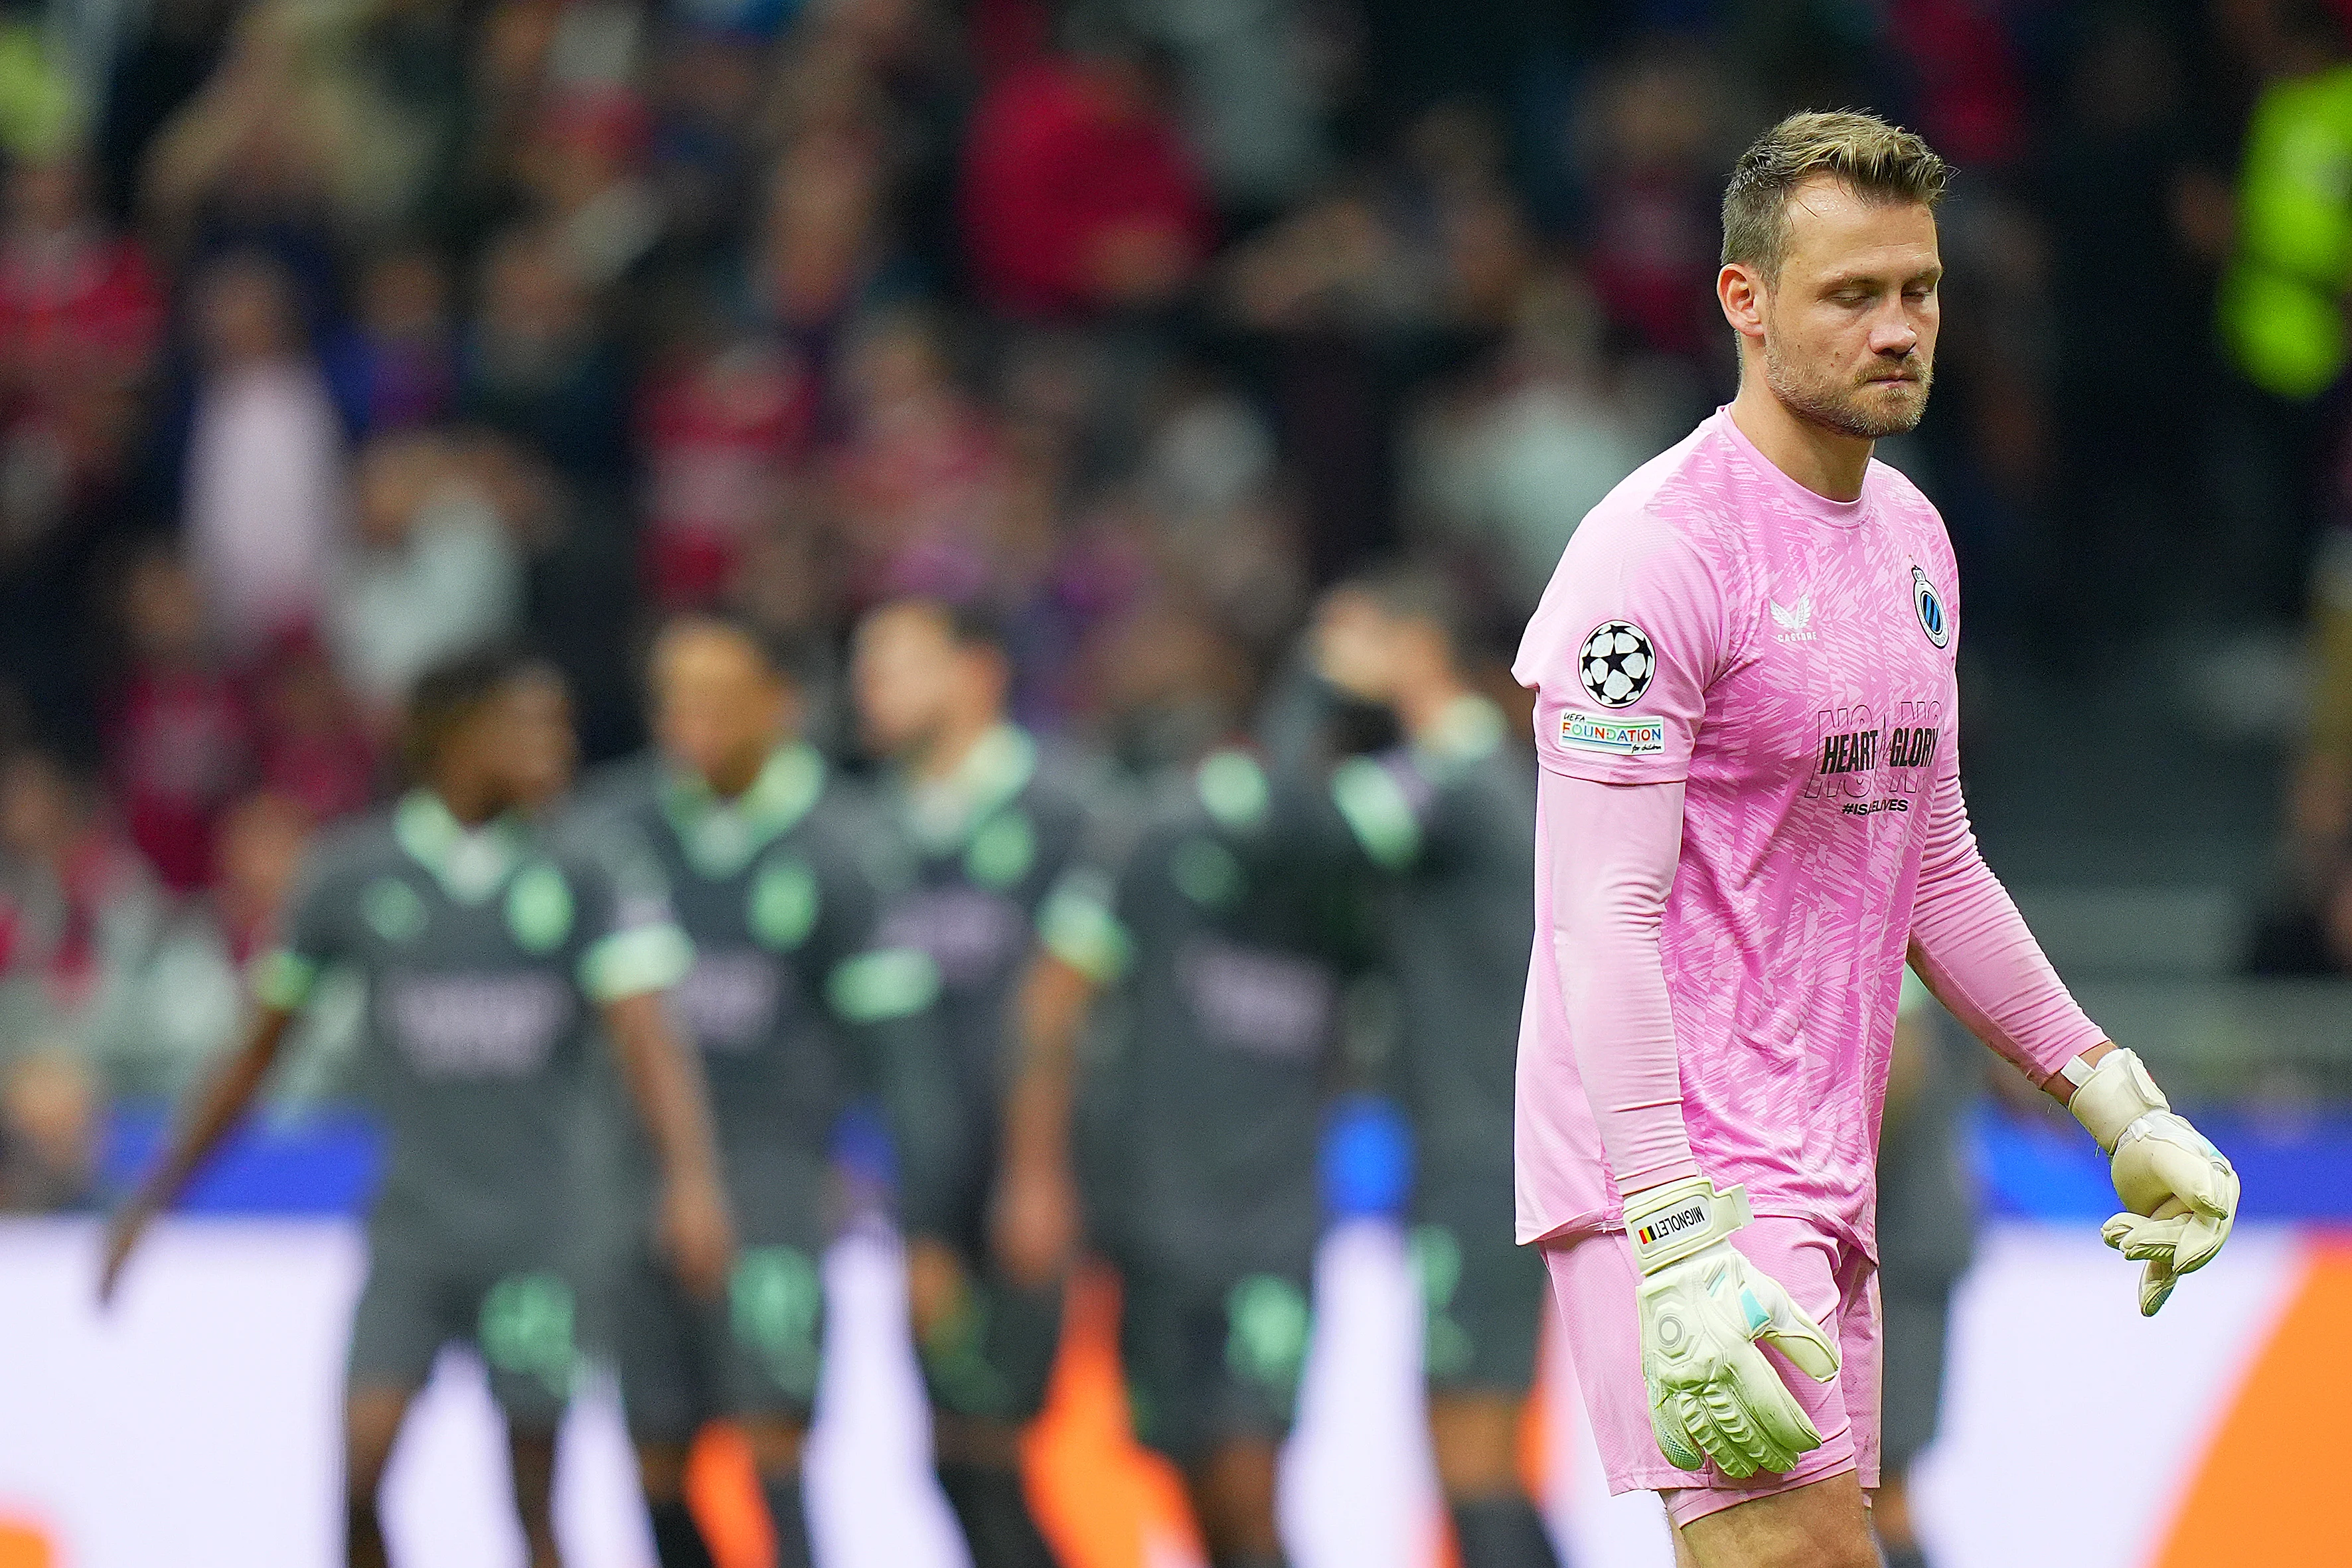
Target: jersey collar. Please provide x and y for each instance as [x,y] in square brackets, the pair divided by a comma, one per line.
[1795,497]
[1000,764]
[470,864]
[722,836]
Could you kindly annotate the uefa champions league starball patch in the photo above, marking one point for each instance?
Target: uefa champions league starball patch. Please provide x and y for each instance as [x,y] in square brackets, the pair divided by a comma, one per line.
[1930,606]
[1616,664]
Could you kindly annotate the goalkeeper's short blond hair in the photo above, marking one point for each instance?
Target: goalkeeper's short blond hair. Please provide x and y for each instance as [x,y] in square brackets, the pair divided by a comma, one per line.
[1860,151]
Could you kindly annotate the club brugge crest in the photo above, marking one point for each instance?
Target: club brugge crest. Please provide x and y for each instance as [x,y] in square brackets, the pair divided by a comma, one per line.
[1933,620]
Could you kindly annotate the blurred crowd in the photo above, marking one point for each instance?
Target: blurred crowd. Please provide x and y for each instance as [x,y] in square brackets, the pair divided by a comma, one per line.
[340,335]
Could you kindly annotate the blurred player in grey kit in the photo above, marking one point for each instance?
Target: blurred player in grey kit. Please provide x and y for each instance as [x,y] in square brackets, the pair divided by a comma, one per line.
[796,1008]
[1448,817]
[1209,952]
[984,820]
[492,956]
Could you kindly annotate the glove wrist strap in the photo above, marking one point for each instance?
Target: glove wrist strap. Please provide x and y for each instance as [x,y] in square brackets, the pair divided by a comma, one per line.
[1669,1223]
[2112,1096]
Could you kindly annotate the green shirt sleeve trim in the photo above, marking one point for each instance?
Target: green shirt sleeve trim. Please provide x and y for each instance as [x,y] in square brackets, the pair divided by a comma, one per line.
[889,983]
[1233,789]
[1378,813]
[632,963]
[281,979]
[1077,929]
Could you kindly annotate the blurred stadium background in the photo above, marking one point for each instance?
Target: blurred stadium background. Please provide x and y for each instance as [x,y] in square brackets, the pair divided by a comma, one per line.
[338,334]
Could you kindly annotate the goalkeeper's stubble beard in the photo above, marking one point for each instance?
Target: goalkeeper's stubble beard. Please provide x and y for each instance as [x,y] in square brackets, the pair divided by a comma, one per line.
[1888,398]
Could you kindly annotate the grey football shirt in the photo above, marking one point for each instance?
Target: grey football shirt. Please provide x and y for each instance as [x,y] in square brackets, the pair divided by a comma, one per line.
[1450,820]
[795,999]
[485,954]
[968,863]
[1225,938]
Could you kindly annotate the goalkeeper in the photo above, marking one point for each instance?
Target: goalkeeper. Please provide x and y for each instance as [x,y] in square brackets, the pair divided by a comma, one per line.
[1748,815]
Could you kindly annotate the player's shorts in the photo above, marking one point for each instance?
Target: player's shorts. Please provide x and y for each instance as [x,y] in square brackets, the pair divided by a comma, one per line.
[524,1320]
[755,1351]
[1833,1281]
[994,1361]
[1482,1294]
[1210,1362]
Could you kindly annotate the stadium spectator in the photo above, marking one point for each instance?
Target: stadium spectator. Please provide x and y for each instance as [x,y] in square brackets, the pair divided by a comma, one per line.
[39,101]
[724,423]
[179,736]
[582,170]
[266,506]
[49,1134]
[396,365]
[2307,927]
[1655,147]
[2127,433]
[538,365]
[312,744]
[825,249]
[431,572]
[914,483]
[2281,303]
[81,314]
[163,62]
[180,1007]
[1079,196]
[1502,469]
[78,909]
[256,157]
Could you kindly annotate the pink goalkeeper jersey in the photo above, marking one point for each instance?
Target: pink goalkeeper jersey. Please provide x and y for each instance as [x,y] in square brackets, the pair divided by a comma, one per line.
[1789,658]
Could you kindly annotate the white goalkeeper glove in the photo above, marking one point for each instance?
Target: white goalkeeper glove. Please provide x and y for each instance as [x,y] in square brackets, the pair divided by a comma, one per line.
[2179,1194]
[1703,1306]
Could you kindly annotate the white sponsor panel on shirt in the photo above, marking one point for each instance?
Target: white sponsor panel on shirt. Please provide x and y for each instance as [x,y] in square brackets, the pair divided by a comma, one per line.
[1633,736]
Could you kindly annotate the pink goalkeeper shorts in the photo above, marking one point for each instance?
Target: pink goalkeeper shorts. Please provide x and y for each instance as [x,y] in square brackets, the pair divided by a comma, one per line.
[1831,1279]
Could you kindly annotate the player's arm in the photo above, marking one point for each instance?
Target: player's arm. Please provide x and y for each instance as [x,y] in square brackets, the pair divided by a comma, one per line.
[1973,949]
[665,1084]
[220,1104]
[1034,1223]
[310,936]
[635,953]
[1702,1305]
[1632,633]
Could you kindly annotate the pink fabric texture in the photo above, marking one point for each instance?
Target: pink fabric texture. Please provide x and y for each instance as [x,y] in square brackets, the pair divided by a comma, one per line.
[1611,851]
[1835,1283]
[1972,948]
[1785,663]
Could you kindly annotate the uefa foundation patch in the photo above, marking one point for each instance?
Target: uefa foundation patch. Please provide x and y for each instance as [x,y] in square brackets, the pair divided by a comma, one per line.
[1630,737]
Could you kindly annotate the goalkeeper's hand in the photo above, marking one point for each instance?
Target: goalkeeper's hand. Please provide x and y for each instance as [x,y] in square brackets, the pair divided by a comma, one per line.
[1703,1306]
[2179,1194]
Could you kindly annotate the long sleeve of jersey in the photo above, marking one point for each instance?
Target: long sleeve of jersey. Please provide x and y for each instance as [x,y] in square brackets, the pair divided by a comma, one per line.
[1972,948]
[1613,852]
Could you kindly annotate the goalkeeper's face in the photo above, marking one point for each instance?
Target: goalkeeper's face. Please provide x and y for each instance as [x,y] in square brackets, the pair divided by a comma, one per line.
[1849,322]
